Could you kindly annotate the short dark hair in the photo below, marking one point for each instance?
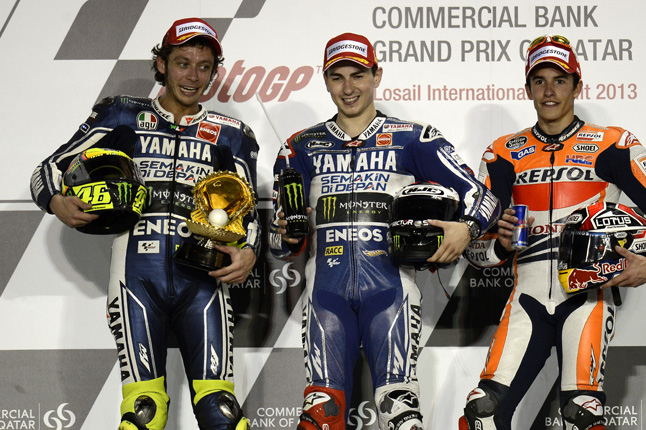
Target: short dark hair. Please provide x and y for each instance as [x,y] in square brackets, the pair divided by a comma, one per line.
[373,69]
[164,54]
[575,78]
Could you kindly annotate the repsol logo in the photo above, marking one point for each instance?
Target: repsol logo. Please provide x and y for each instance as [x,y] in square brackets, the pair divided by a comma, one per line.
[540,176]
[242,83]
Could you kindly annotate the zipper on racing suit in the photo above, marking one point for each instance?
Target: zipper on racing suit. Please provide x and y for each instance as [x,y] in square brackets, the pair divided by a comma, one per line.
[550,241]
[353,261]
[171,210]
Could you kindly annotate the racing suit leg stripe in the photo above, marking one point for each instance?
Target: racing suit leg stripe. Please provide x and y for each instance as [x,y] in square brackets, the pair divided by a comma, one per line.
[590,349]
[498,342]
[586,336]
[206,324]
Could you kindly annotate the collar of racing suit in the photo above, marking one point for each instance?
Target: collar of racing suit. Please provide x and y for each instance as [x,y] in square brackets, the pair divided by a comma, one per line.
[568,132]
[369,131]
[185,120]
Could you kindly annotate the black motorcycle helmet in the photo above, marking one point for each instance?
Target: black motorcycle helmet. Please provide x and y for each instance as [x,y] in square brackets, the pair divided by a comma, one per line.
[411,240]
[111,182]
[587,257]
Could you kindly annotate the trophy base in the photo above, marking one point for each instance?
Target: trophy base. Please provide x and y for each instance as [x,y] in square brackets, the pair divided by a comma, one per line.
[200,257]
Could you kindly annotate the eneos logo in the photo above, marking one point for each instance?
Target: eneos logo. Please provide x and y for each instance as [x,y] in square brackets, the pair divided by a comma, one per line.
[208,131]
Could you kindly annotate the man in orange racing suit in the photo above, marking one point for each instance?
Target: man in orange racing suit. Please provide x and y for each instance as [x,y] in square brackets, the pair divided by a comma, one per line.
[554,167]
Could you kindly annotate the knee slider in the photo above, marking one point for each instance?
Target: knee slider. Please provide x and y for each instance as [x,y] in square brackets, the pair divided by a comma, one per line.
[144,405]
[216,406]
[482,405]
[398,407]
[583,412]
[323,408]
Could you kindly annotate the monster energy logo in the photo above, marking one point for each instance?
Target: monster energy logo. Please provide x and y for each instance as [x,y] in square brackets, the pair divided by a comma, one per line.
[125,191]
[397,240]
[329,207]
[295,195]
[125,196]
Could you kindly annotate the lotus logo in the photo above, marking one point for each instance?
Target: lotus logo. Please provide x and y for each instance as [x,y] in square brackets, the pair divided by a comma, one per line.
[361,417]
[63,418]
[282,278]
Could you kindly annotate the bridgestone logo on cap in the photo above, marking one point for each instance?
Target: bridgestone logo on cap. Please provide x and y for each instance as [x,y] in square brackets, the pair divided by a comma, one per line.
[347,46]
[550,51]
[193,27]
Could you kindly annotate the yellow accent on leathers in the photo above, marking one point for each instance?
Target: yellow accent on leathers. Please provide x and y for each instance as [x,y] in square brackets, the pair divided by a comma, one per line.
[156,390]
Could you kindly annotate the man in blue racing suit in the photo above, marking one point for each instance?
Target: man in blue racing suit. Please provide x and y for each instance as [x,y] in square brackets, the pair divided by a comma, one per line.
[352,166]
[176,142]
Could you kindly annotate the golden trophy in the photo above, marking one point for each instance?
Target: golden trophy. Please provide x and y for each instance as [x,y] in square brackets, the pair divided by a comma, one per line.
[222,199]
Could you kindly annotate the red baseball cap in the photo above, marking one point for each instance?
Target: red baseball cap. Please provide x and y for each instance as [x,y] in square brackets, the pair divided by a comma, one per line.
[349,46]
[552,49]
[185,29]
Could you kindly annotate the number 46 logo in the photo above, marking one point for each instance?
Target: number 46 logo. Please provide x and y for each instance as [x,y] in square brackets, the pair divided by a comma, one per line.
[97,194]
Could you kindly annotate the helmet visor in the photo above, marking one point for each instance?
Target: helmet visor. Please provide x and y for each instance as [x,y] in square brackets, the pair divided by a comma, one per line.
[581,248]
[105,167]
[420,207]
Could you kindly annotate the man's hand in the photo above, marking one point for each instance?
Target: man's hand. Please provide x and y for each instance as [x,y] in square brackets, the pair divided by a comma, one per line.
[456,239]
[70,210]
[283,232]
[506,227]
[633,275]
[242,262]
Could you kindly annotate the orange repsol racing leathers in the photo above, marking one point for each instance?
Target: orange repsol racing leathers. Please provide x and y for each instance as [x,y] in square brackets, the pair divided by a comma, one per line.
[149,294]
[355,296]
[553,176]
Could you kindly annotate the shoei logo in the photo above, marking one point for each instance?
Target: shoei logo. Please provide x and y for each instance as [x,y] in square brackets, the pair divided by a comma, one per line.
[363,416]
[60,418]
[284,277]
[586,147]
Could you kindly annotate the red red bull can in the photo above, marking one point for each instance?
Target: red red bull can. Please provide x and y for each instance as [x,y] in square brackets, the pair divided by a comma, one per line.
[519,235]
